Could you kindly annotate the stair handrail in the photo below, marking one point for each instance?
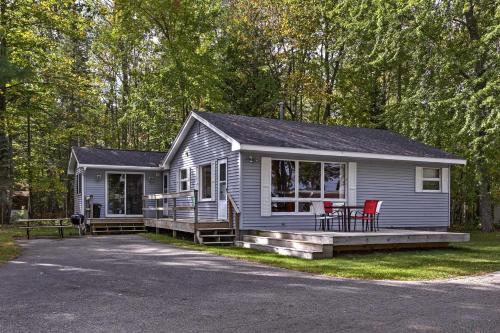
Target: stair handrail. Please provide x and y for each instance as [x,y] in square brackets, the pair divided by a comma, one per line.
[232,206]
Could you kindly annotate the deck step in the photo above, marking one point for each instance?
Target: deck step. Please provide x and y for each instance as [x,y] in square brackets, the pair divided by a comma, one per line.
[215,236]
[219,235]
[290,235]
[289,243]
[215,229]
[219,243]
[116,226]
[285,251]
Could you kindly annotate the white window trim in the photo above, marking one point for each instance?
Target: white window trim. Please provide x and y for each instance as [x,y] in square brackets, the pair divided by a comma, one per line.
[187,179]
[125,193]
[200,182]
[296,198]
[432,180]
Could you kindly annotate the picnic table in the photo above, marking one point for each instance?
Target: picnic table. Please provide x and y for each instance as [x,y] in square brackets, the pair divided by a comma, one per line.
[55,224]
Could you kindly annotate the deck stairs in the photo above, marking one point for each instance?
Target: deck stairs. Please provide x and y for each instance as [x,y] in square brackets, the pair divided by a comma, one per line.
[288,244]
[215,236]
[103,226]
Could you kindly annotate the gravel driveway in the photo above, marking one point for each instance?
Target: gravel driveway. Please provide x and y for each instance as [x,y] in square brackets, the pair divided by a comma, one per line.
[129,284]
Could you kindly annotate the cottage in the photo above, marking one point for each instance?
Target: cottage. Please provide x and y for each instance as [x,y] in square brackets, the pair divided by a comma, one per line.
[273,170]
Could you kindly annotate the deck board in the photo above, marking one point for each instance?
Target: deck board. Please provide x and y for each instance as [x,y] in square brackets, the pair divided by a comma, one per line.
[184,225]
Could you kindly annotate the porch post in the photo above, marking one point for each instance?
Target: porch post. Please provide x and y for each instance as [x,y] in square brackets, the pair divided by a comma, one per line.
[195,200]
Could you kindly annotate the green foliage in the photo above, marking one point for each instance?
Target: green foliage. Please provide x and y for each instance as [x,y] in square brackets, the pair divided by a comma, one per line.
[126,73]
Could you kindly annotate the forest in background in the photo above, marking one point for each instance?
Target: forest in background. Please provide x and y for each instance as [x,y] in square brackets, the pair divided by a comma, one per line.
[125,74]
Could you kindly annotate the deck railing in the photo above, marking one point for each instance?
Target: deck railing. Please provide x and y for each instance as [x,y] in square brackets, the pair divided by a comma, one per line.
[233,215]
[158,209]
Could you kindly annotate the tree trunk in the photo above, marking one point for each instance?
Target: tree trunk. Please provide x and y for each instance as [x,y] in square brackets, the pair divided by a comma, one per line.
[5,146]
[485,202]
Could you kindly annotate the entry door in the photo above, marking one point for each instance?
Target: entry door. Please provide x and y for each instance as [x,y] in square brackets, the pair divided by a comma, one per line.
[124,194]
[222,188]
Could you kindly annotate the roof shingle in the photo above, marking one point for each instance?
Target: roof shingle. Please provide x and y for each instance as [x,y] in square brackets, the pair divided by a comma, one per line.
[293,134]
[101,156]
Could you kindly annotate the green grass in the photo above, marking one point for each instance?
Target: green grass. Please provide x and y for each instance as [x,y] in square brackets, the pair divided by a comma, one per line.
[480,255]
[8,247]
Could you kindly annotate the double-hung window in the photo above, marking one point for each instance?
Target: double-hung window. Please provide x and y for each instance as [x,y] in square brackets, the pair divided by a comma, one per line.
[296,184]
[184,179]
[431,179]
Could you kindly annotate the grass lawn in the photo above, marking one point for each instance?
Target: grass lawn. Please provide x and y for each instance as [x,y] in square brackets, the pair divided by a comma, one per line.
[8,247]
[480,255]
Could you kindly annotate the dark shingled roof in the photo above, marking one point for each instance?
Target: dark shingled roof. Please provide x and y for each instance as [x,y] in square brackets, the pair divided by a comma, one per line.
[101,156]
[293,134]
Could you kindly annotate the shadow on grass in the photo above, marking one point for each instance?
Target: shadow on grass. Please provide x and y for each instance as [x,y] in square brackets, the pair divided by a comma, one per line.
[481,255]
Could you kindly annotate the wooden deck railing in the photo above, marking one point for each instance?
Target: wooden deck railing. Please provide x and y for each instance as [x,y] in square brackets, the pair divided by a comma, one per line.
[158,198]
[233,215]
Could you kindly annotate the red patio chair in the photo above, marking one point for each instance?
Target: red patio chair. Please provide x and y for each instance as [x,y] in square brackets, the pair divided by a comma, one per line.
[367,216]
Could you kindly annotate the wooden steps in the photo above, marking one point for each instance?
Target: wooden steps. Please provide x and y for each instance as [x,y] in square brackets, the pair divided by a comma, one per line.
[285,251]
[116,226]
[215,236]
[287,244]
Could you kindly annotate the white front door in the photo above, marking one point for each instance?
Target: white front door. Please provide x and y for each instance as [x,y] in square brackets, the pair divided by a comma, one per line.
[222,189]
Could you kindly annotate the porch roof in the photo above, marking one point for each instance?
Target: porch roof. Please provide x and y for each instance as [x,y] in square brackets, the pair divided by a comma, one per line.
[114,158]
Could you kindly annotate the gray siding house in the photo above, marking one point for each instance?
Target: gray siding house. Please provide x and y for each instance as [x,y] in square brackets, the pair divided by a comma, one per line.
[274,169]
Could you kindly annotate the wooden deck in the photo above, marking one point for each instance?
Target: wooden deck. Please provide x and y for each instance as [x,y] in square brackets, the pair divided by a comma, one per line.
[184,225]
[321,244]
[384,236]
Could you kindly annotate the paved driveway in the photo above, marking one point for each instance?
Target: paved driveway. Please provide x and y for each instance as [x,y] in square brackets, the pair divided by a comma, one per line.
[129,284]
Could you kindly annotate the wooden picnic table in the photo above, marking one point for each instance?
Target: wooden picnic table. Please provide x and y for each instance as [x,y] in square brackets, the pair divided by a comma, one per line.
[57,224]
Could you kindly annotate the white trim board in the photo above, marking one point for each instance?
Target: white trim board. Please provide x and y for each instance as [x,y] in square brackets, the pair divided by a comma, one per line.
[235,145]
[302,151]
[119,167]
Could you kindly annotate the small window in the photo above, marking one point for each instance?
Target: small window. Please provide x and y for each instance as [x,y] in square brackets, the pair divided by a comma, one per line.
[165,183]
[79,184]
[431,179]
[206,182]
[184,179]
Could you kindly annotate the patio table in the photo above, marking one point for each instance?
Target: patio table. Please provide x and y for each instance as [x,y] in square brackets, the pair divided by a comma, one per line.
[346,218]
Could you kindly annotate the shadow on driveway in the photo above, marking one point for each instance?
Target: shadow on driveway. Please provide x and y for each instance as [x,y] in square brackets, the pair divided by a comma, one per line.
[127,283]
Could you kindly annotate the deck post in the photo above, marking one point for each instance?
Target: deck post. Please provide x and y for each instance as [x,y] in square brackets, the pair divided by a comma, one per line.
[157,210]
[237,227]
[230,213]
[195,201]
[174,209]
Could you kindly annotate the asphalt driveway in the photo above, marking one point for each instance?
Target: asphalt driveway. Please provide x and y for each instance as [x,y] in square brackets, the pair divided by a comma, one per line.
[129,284]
